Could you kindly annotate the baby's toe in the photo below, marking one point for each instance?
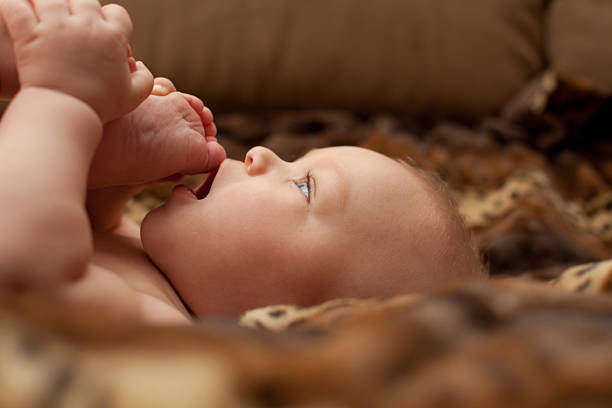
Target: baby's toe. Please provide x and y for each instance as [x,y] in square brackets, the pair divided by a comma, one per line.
[210,131]
[202,156]
[207,116]
[195,103]
[162,87]
[216,154]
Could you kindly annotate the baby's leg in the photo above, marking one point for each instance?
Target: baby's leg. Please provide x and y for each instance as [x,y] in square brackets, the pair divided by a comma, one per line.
[169,133]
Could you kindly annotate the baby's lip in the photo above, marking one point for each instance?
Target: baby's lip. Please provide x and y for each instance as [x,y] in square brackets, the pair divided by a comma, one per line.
[204,189]
[183,190]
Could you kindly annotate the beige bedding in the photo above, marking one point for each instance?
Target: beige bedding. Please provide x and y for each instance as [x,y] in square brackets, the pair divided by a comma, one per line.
[504,344]
[458,58]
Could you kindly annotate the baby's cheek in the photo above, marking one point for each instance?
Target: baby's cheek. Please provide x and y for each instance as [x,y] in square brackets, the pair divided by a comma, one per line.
[151,231]
[167,235]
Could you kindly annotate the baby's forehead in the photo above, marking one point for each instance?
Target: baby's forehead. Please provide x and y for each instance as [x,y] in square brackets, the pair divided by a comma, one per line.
[389,187]
[354,158]
[337,151]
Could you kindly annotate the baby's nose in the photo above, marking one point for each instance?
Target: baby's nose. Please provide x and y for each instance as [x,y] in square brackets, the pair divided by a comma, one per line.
[259,160]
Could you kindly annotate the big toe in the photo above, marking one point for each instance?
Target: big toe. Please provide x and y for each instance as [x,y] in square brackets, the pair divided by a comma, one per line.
[162,87]
[216,154]
[202,157]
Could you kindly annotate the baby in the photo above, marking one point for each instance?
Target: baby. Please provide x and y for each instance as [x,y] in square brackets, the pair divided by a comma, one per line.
[338,222]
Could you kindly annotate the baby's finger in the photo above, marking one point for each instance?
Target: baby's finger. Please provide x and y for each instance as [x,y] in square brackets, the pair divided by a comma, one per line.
[142,82]
[51,9]
[132,64]
[19,17]
[118,16]
[86,8]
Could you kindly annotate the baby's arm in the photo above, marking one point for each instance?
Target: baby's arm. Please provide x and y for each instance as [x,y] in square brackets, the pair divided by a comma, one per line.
[46,140]
[9,82]
[75,75]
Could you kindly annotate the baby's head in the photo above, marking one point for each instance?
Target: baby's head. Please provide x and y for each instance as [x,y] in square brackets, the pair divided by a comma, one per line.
[338,222]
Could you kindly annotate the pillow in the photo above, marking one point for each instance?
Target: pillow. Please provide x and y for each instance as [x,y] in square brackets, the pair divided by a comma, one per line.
[578,40]
[423,57]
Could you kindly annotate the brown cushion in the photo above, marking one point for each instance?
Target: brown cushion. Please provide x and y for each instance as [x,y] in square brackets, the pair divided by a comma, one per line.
[425,57]
[579,35]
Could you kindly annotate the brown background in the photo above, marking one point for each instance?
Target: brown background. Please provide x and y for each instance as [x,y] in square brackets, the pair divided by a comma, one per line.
[423,57]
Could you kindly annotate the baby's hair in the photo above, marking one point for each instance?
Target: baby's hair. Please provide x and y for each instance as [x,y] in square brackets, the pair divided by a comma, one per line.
[447,203]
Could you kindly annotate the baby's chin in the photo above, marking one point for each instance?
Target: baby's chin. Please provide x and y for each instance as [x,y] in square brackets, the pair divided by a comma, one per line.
[159,219]
[164,237]
[154,232]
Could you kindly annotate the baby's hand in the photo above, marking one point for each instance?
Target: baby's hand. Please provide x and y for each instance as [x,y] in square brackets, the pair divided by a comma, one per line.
[78,48]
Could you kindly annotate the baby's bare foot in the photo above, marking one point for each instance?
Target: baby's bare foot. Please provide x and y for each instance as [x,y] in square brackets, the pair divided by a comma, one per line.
[169,133]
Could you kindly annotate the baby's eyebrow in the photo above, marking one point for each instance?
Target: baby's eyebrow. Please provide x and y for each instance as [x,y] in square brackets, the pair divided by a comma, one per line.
[333,184]
[343,187]
[340,193]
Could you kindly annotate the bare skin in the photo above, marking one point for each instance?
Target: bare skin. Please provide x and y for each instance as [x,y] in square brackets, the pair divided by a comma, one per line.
[170,132]
[52,128]
[338,222]
[104,266]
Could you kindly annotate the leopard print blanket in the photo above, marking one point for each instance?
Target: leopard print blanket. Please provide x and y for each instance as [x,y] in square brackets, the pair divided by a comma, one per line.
[593,278]
[505,343]
[533,186]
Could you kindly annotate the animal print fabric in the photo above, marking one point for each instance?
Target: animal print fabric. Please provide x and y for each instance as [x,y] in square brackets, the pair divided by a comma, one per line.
[533,185]
[505,343]
[593,278]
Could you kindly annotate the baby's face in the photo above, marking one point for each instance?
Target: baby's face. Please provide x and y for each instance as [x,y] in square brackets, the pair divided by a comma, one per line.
[330,224]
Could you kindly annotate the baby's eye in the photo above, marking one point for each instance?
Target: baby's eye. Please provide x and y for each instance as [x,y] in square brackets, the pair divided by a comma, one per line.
[304,186]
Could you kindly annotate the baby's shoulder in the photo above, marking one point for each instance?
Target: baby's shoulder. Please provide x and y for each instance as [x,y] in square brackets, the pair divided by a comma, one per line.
[101,289]
[125,295]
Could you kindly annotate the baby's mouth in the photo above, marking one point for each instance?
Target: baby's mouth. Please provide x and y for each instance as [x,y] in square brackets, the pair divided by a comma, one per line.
[204,189]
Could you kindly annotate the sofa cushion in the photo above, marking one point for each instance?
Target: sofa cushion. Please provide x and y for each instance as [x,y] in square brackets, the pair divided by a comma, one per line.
[424,57]
[578,38]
